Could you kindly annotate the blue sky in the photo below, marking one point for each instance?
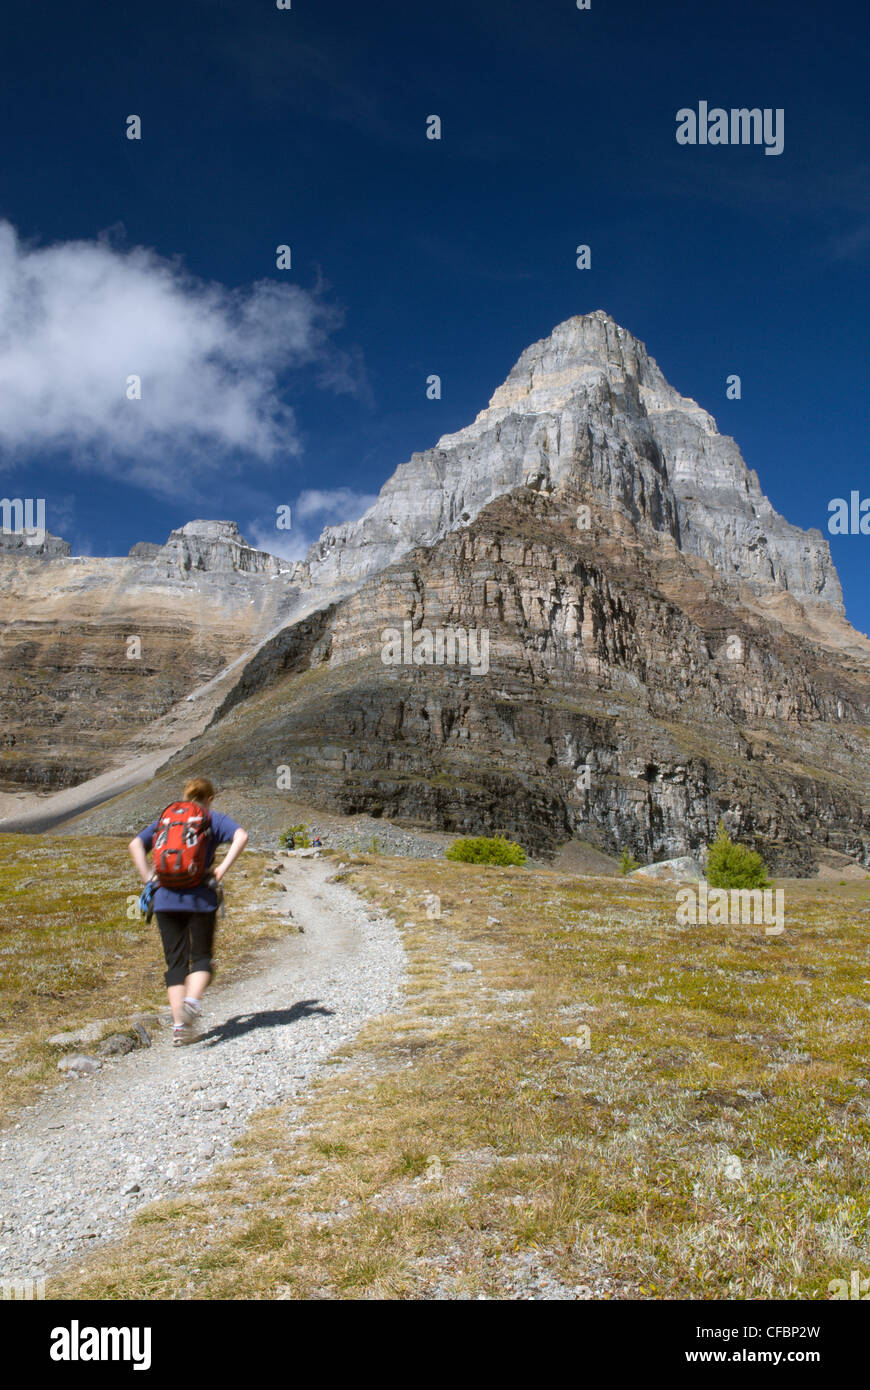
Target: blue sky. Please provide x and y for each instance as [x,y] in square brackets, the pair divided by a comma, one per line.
[306,127]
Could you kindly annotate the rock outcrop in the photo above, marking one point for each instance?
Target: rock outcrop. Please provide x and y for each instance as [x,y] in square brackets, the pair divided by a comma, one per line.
[215,547]
[30,544]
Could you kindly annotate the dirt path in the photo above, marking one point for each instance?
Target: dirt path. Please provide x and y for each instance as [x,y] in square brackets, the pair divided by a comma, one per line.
[86,1156]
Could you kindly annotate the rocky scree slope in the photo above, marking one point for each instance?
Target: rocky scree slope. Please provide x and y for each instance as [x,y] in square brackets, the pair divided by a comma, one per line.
[73,700]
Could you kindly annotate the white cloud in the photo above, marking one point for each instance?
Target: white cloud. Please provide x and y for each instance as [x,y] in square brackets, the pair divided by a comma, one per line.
[333,505]
[324,507]
[79,317]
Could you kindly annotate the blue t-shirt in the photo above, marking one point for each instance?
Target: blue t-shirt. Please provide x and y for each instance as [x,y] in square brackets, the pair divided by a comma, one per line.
[200,898]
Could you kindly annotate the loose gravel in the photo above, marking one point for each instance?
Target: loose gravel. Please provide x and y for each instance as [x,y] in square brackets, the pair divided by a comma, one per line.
[148,1125]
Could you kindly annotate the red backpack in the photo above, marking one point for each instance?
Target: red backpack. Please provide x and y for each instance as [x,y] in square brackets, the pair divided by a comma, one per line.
[181,844]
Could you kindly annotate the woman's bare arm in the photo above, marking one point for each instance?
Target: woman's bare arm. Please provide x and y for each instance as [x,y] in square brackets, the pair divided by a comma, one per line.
[140,859]
[239,840]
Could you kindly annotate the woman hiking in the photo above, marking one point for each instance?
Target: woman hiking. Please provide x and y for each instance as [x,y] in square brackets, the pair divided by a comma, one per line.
[184,839]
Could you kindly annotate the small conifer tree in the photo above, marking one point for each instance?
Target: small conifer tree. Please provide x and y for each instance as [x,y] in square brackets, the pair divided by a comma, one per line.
[730,865]
[627,863]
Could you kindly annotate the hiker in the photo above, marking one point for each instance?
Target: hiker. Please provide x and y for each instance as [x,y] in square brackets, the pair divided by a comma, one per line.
[187,893]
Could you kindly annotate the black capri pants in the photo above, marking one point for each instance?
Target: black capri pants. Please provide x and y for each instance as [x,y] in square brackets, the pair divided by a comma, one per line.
[188,940]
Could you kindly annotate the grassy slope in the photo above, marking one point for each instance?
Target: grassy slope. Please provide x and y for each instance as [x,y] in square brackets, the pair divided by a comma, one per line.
[70,954]
[463,1147]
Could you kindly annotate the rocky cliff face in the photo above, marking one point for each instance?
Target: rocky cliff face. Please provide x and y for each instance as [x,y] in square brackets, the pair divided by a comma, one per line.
[588,410]
[633,697]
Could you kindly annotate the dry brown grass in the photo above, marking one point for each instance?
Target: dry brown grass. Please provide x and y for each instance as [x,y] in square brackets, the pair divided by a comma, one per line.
[712,1142]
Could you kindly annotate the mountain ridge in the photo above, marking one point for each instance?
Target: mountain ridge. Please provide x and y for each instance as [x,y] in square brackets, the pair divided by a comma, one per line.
[616,548]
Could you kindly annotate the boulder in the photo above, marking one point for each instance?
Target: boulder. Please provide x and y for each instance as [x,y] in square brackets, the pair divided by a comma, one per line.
[118,1045]
[79,1065]
[683,869]
[80,1037]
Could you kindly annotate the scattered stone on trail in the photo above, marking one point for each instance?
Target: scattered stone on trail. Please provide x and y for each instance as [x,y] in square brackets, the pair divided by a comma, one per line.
[461,967]
[90,1033]
[118,1045]
[683,869]
[148,1021]
[79,1065]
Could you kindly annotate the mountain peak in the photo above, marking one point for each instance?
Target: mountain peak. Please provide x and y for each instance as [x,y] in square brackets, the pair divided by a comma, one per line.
[212,531]
[209,545]
[586,410]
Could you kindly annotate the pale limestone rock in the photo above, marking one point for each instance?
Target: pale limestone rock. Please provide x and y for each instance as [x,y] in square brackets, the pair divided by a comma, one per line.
[20,544]
[214,546]
[683,869]
[588,410]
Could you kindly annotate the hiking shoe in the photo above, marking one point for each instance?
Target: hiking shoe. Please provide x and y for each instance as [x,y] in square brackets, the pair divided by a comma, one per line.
[182,1033]
[192,1012]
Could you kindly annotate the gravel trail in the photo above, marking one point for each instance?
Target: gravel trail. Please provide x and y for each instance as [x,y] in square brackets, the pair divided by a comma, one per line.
[87,1155]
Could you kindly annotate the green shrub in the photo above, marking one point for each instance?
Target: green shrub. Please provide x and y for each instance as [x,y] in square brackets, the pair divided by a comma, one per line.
[301,837]
[481,850]
[730,865]
[627,862]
